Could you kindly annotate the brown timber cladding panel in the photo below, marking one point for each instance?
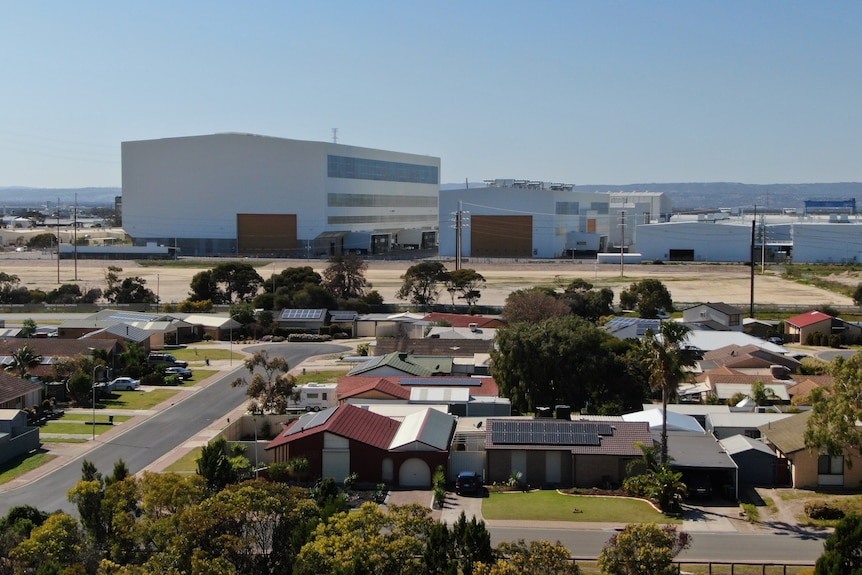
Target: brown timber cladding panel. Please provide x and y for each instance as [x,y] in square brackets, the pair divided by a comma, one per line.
[501,236]
[266,233]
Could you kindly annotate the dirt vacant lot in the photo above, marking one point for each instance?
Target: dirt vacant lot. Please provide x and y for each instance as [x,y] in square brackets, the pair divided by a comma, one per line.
[688,283]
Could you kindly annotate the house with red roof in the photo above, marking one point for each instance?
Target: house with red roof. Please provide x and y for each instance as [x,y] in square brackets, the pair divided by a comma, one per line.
[800,327]
[379,449]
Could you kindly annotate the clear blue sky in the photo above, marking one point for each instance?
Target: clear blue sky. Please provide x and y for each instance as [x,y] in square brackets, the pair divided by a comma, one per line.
[580,92]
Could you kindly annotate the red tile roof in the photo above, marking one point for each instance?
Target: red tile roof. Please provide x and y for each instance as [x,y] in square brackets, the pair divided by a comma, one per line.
[348,384]
[808,318]
[57,347]
[348,421]
[380,384]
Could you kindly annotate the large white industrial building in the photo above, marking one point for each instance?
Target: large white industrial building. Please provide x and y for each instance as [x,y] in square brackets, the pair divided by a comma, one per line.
[776,238]
[228,194]
[523,219]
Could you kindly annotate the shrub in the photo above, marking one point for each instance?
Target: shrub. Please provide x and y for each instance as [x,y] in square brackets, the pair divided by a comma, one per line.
[308,338]
[350,481]
[279,471]
[820,509]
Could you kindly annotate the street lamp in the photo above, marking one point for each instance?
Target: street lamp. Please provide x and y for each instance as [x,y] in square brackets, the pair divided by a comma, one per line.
[254,420]
[95,369]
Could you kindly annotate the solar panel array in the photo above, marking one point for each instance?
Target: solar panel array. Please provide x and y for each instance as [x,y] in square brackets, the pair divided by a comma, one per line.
[123,316]
[441,381]
[301,313]
[550,432]
[310,420]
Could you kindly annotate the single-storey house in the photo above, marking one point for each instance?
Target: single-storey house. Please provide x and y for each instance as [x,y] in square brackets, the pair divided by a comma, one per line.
[746,423]
[579,453]
[809,468]
[404,364]
[700,457]
[347,439]
[17,393]
[798,328]
[16,438]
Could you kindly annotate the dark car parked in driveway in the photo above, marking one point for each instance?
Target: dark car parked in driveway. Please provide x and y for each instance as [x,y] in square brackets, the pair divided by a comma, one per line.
[468,483]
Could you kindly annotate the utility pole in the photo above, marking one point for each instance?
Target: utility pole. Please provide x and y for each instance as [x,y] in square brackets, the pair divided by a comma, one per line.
[622,242]
[458,238]
[751,290]
[58,240]
[75,220]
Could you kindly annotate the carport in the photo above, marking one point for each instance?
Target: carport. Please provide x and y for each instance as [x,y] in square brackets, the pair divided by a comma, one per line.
[700,455]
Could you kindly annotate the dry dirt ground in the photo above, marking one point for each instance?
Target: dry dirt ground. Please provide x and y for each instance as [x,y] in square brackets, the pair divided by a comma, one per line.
[688,283]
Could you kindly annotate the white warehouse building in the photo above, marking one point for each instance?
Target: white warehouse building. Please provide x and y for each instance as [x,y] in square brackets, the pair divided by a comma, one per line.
[230,194]
[523,219]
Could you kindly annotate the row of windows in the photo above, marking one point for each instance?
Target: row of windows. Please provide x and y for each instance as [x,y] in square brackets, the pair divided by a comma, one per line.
[380,201]
[340,220]
[362,169]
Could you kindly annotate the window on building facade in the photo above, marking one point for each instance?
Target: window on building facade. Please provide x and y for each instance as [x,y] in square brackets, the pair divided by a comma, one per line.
[364,169]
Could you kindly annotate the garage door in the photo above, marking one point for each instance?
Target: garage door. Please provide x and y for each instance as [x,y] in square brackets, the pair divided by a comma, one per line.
[336,464]
[414,473]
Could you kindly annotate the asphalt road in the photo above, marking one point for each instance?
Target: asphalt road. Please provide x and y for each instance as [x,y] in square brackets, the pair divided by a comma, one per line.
[738,547]
[155,436]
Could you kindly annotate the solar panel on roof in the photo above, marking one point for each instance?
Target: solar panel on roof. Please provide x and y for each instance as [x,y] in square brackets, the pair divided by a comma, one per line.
[536,432]
[301,313]
[128,316]
[441,381]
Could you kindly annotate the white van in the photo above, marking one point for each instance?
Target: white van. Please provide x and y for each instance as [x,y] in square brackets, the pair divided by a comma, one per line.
[314,396]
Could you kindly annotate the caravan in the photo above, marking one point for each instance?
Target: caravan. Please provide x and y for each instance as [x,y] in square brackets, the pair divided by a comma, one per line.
[314,396]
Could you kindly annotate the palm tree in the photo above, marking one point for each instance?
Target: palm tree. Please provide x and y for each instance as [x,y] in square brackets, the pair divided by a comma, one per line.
[665,359]
[24,357]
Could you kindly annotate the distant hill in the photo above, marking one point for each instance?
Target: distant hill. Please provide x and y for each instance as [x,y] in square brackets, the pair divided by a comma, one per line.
[21,196]
[709,196]
[691,196]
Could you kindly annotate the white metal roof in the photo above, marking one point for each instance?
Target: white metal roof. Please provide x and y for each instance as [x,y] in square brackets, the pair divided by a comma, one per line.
[439,395]
[427,430]
[675,421]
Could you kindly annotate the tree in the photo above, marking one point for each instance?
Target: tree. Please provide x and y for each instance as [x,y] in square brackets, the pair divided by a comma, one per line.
[533,305]
[533,558]
[24,358]
[28,328]
[8,283]
[643,549]
[56,543]
[42,241]
[226,283]
[421,283]
[857,294]
[666,360]
[648,297]
[832,425]
[586,302]
[344,277]
[133,360]
[465,282]
[842,551]
[214,466]
[127,290]
[272,389]
[565,360]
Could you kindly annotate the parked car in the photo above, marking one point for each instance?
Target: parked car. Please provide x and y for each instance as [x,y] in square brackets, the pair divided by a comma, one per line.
[468,483]
[166,359]
[184,372]
[127,383]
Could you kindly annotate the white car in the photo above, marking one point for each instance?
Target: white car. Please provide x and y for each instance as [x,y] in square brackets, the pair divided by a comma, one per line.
[126,383]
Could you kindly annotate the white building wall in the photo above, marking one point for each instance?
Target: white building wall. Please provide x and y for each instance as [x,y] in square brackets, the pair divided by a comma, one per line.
[194,187]
[711,242]
[827,243]
[551,231]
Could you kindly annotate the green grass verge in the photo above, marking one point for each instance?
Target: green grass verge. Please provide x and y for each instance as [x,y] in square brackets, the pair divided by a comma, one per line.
[15,468]
[548,505]
[99,417]
[199,354]
[201,374]
[138,399]
[320,377]
[63,440]
[80,428]
[187,463]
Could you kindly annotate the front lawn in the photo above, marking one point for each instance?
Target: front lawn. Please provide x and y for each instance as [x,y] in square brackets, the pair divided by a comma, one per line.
[18,466]
[200,354]
[549,505]
[75,428]
[137,399]
[89,417]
